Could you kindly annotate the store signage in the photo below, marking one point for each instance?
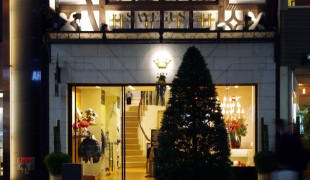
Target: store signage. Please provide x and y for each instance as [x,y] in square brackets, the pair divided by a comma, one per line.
[36,75]
[25,164]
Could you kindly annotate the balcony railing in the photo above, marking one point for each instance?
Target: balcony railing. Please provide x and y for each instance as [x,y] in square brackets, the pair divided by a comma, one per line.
[160,36]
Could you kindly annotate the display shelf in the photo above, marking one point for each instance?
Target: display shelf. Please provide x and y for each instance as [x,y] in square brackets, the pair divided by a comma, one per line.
[242,155]
[241,152]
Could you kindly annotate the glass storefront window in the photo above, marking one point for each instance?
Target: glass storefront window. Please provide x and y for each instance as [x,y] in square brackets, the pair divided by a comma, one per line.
[238,109]
[112,125]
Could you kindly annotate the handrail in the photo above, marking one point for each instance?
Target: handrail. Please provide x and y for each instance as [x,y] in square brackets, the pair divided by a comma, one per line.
[139,115]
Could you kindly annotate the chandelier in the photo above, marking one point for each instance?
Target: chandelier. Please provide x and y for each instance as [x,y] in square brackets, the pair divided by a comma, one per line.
[231,106]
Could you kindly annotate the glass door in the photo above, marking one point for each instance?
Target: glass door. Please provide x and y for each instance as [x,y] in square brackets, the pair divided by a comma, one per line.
[111,129]
[97,129]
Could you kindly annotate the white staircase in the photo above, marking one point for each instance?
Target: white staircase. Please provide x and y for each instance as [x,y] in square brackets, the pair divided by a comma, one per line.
[134,154]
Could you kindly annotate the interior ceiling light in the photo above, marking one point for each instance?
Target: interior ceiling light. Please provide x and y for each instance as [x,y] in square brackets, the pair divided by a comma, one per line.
[303,90]
[131,87]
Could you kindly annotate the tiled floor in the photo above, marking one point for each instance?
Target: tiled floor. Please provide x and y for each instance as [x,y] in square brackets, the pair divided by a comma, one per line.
[131,174]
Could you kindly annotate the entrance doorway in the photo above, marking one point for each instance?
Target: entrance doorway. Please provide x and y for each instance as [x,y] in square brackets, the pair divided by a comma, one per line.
[111,128]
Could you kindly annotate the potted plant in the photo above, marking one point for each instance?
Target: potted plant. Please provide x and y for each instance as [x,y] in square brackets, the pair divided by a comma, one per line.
[265,163]
[54,160]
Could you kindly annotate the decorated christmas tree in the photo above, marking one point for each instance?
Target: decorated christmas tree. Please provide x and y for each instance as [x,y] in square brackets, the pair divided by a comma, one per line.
[193,140]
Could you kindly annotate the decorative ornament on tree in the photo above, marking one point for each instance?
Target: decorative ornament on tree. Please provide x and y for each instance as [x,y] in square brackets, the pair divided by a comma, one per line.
[160,89]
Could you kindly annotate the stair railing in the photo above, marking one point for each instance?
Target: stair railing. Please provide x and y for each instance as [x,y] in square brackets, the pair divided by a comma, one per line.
[140,113]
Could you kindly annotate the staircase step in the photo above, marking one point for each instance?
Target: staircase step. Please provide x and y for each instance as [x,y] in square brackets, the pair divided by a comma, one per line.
[135,158]
[131,135]
[133,152]
[136,164]
[132,140]
[132,124]
[132,119]
[132,129]
[132,146]
[132,113]
[134,108]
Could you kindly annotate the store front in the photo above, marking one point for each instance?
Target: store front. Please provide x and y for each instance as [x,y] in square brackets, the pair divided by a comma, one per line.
[97,79]
[120,120]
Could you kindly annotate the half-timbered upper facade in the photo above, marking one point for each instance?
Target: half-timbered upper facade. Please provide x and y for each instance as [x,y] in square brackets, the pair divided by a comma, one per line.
[163,21]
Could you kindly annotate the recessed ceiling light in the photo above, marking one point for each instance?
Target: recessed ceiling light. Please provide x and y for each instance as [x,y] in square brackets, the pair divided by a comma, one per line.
[131,87]
[303,90]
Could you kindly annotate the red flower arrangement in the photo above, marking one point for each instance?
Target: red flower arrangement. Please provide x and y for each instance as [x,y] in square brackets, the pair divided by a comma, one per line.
[236,127]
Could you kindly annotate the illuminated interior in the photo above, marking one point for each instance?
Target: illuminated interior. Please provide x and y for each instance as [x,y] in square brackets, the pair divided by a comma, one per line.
[106,124]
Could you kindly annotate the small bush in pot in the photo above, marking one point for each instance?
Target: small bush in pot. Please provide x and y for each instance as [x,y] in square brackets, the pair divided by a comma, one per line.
[54,162]
[265,162]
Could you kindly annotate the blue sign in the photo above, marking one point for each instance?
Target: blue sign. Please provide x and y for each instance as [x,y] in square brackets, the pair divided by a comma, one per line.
[36,75]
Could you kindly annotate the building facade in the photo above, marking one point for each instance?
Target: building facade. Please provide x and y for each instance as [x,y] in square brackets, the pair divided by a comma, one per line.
[243,53]
[97,68]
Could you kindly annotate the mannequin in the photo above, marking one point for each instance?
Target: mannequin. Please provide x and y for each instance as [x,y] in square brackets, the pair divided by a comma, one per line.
[128,97]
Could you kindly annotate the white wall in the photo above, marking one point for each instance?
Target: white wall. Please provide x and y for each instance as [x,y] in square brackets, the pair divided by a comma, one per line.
[133,63]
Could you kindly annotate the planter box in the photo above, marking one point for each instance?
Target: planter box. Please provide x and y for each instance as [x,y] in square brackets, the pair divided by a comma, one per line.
[72,171]
[244,173]
[91,177]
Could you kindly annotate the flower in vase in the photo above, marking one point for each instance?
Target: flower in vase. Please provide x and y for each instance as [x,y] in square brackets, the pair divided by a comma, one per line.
[236,127]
